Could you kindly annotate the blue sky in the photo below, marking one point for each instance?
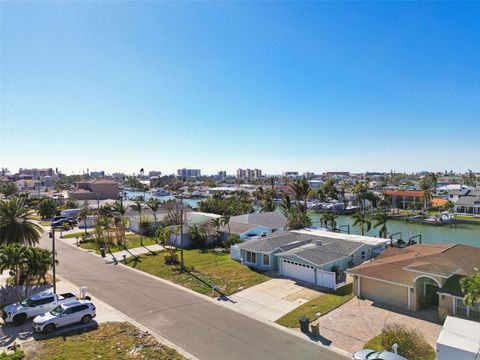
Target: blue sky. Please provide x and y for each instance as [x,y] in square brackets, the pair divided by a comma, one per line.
[280,86]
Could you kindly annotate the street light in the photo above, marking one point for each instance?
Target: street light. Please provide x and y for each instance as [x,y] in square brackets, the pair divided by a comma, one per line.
[52,235]
[181,234]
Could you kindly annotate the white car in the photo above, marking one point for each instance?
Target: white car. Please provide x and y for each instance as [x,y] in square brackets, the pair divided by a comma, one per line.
[37,304]
[82,311]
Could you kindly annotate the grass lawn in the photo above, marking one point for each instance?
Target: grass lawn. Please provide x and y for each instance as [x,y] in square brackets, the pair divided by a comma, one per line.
[110,341]
[376,344]
[45,222]
[323,305]
[133,241]
[211,267]
[466,217]
[77,234]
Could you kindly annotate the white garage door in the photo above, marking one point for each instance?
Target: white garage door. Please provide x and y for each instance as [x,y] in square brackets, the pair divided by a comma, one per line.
[298,271]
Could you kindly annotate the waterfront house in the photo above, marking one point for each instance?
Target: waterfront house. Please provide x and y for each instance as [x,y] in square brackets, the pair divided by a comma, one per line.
[251,226]
[469,204]
[312,256]
[419,277]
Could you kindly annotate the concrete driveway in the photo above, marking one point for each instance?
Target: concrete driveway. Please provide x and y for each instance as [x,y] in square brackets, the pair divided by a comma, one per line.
[274,298]
[351,325]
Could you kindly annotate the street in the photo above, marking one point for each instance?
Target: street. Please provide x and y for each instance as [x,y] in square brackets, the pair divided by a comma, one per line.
[202,328]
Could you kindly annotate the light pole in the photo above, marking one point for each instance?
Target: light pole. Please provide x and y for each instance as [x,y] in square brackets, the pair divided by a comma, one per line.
[53,264]
[181,234]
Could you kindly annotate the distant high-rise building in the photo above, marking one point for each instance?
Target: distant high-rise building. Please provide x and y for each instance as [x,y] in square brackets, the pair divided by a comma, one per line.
[308,175]
[36,172]
[97,174]
[154,173]
[222,174]
[249,174]
[189,173]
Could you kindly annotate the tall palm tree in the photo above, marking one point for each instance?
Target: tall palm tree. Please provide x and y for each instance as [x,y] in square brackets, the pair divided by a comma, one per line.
[12,258]
[16,226]
[225,221]
[380,220]
[154,204]
[82,216]
[427,197]
[362,221]
[329,219]
[360,190]
[301,188]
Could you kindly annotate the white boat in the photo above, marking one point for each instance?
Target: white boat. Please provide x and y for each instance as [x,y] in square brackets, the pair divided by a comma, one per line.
[160,192]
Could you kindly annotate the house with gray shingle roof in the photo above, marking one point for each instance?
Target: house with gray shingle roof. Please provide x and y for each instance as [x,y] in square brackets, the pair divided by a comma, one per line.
[254,225]
[319,258]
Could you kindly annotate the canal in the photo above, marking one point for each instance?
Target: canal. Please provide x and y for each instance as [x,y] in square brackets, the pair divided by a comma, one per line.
[464,233]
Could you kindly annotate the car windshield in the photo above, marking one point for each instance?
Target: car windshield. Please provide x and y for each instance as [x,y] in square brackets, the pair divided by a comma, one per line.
[373,355]
[57,311]
[26,302]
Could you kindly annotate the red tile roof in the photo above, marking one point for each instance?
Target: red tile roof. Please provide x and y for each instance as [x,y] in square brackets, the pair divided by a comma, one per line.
[418,194]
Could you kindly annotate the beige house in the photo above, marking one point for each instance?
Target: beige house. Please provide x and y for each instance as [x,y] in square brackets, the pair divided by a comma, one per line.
[100,189]
[419,277]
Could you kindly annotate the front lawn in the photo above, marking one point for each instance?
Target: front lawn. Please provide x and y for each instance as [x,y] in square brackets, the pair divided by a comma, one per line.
[77,234]
[205,268]
[110,341]
[322,305]
[132,240]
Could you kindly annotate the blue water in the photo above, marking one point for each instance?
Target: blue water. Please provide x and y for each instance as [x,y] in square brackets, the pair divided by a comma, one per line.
[465,234]
[193,203]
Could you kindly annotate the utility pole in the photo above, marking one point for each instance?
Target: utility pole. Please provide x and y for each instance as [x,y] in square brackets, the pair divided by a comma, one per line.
[53,265]
[181,233]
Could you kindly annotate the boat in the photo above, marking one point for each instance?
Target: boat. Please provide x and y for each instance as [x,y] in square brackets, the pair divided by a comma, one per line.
[160,192]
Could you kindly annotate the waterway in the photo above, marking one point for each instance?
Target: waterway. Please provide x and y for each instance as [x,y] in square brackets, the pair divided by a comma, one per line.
[131,195]
[463,233]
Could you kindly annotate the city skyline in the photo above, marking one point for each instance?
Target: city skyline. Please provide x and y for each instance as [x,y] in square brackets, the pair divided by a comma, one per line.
[220,86]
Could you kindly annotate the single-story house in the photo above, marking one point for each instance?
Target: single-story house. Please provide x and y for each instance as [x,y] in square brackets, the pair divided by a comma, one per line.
[419,276]
[469,204]
[316,257]
[459,340]
[254,225]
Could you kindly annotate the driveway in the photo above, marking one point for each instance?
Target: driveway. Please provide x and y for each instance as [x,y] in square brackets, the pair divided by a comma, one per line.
[351,325]
[274,298]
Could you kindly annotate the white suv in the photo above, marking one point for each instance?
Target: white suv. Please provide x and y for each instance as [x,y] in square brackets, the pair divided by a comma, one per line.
[82,311]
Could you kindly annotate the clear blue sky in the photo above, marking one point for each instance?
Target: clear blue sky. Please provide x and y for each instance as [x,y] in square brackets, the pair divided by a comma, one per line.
[280,86]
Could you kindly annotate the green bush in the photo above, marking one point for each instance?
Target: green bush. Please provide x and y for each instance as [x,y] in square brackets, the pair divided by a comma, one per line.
[16,355]
[411,343]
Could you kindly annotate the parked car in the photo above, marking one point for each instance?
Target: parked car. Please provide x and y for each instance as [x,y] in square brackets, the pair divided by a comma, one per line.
[367,354]
[63,222]
[82,311]
[37,304]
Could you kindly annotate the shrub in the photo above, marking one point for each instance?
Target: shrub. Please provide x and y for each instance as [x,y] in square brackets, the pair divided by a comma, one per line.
[16,355]
[47,208]
[411,343]
[232,240]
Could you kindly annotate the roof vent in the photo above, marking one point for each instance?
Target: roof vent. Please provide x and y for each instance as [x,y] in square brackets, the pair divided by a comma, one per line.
[318,242]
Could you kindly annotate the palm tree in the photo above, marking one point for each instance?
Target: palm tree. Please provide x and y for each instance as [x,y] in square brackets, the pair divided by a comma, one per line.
[427,197]
[16,226]
[470,286]
[154,205]
[301,188]
[83,215]
[380,219]
[11,258]
[225,221]
[362,221]
[360,190]
[329,219]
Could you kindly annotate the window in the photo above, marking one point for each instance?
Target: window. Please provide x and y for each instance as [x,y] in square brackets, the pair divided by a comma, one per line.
[363,255]
[43,301]
[470,312]
[79,308]
[251,257]
[461,309]
[266,260]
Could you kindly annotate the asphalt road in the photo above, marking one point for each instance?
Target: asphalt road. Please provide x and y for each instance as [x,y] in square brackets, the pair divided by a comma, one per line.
[202,328]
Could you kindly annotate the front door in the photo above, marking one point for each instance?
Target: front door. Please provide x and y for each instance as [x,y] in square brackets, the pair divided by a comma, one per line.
[431,296]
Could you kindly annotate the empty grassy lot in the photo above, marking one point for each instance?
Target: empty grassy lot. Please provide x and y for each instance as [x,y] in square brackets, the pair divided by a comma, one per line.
[205,268]
[110,341]
[132,240]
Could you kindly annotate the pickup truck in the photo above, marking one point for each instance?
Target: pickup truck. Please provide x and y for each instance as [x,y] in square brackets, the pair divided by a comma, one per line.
[37,304]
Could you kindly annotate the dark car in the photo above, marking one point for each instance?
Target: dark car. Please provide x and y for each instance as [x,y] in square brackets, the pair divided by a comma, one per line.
[62,223]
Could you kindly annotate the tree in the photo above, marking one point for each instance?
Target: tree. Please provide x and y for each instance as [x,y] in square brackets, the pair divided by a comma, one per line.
[329,219]
[360,190]
[362,221]
[225,221]
[70,204]
[329,189]
[198,235]
[11,258]
[470,178]
[163,235]
[380,220]
[470,286]
[267,203]
[35,265]
[16,226]
[8,188]
[82,216]
[154,204]
[47,208]
[301,188]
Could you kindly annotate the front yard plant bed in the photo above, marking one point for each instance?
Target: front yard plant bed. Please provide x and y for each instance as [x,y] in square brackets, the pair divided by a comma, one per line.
[110,341]
[320,305]
[204,268]
[411,344]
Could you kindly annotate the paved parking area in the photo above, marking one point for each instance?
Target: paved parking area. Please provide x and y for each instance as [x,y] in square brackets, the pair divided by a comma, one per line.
[274,298]
[10,334]
[351,325]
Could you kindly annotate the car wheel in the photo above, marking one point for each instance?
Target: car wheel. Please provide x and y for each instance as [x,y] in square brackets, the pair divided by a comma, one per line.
[48,329]
[86,319]
[19,319]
